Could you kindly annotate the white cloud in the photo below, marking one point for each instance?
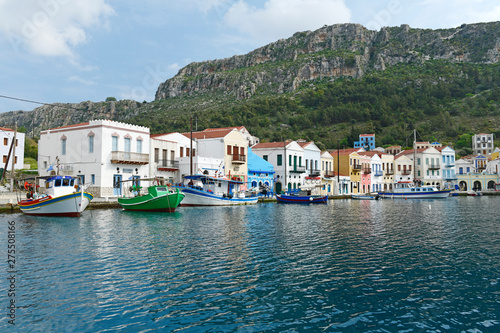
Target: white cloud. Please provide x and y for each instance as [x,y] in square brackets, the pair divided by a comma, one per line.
[76,78]
[51,27]
[282,18]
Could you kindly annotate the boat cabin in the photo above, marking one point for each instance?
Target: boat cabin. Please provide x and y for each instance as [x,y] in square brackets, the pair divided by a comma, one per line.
[61,185]
[217,186]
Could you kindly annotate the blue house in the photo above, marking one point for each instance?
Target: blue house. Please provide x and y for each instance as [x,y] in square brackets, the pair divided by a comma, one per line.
[366,141]
[260,171]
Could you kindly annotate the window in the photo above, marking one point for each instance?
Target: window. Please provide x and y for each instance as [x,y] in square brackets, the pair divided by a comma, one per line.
[5,158]
[15,159]
[300,161]
[114,143]
[418,161]
[139,146]
[265,157]
[5,141]
[242,150]
[157,154]
[229,150]
[279,160]
[63,146]
[126,142]
[187,151]
[290,160]
[182,152]
[92,177]
[91,144]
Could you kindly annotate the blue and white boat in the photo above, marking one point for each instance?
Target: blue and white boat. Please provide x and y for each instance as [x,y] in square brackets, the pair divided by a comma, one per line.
[204,190]
[304,196]
[409,191]
[365,196]
[62,196]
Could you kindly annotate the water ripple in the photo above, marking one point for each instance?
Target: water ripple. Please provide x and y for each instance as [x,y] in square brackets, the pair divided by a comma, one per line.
[348,266]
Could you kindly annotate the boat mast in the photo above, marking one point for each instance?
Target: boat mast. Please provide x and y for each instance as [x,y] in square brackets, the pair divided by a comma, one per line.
[191,149]
[14,161]
[286,178]
[414,155]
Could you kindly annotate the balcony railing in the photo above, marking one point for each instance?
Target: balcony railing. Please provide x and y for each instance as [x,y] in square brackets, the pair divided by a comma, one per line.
[367,170]
[389,172]
[167,165]
[406,172]
[330,174]
[239,159]
[378,173]
[450,165]
[434,167]
[297,169]
[356,167]
[124,157]
[314,172]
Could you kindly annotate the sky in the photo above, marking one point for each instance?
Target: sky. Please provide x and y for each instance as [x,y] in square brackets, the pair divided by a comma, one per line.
[69,51]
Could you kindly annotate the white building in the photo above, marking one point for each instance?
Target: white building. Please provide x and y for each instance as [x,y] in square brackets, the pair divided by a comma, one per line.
[102,152]
[6,138]
[289,163]
[448,167]
[482,144]
[312,156]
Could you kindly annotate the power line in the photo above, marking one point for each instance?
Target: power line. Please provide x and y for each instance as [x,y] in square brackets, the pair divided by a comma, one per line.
[22,100]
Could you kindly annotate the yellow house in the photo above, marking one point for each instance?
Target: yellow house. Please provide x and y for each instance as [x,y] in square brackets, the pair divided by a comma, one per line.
[495,154]
[388,170]
[348,165]
[327,175]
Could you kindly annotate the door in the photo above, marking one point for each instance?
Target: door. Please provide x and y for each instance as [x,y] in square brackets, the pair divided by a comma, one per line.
[278,188]
[117,185]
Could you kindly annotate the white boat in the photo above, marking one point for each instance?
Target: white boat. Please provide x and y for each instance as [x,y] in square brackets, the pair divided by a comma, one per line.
[203,190]
[63,196]
[365,196]
[409,191]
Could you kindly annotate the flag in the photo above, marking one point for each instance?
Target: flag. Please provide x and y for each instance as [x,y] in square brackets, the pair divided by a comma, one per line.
[51,167]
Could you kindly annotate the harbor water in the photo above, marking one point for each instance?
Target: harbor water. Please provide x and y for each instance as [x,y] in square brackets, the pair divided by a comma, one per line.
[349,266]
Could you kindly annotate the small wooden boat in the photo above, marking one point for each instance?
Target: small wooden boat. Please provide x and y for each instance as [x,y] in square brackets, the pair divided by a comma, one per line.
[365,196]
[62,196]
[304,196]
[159,198]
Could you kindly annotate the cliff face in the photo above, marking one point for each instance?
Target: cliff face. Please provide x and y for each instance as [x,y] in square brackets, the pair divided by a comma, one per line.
[327,53]
[330,52]
[55,115]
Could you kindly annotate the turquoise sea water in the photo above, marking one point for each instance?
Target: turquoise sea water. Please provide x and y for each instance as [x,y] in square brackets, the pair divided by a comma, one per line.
[349,266]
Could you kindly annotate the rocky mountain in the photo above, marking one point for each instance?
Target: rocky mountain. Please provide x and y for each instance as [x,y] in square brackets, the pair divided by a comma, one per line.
[59,114]
[333,51]
[282,67]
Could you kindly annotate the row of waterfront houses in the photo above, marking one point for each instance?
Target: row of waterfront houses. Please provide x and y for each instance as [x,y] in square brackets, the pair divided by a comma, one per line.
[105,153]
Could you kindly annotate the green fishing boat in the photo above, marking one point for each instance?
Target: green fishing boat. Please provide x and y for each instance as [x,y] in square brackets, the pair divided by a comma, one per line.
[158,199]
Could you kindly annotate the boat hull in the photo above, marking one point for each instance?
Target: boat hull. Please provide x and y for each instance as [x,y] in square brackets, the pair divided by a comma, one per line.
[405,195]
[301,199]
[66,205]
[147,203]
[196,197]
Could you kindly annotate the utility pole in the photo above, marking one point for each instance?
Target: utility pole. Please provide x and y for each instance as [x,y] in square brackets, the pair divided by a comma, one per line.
[13,160]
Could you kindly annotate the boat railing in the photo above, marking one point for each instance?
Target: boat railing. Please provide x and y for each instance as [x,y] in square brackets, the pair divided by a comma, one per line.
[167,164]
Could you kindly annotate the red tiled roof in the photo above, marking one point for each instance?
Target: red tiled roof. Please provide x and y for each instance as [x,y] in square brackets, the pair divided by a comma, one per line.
[6,129]
[370,153]
[304,144]
[269,145]
[347,151]
[223,129]
[368,135]
[208,135]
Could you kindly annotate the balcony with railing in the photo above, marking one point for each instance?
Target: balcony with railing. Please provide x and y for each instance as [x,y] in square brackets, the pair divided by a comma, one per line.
[239,159]
[378,173]
[389,172]
[167,165]
[406,172]
[314,173]
[124,157]
[297,169]
[330,174]
[356,167]
[367,170]
[434,167]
